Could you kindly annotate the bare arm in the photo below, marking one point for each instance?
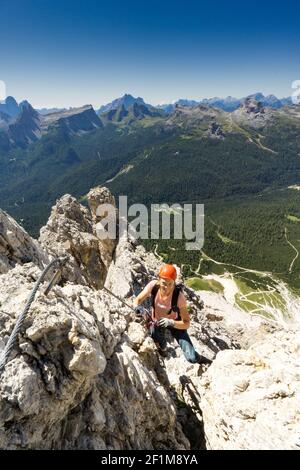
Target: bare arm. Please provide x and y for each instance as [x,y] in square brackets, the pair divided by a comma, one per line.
[184,323]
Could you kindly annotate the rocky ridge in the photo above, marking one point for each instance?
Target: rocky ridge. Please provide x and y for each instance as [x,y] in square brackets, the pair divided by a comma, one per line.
[85,374]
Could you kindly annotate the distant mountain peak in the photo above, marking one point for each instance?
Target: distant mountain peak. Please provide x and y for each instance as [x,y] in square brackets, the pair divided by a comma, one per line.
[25,107]
[10,107]
[73,120]
[126,100]
[133,112]
[11,100]
[29,126]
[25,104]
[129,96]
[230,103]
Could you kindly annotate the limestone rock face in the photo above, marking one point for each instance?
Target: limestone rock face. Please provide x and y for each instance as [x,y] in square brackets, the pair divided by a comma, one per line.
[96,197]
[253,113]
[16,246]
[75,379]
[84,374]
[70,230]
[250,398]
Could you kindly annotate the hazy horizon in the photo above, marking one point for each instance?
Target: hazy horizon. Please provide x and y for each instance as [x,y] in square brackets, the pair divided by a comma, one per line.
[136,96]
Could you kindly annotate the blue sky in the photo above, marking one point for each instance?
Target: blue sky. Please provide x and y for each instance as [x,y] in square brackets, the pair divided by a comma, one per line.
[70,53]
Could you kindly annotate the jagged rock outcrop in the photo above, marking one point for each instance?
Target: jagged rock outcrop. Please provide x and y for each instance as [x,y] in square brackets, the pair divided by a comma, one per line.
[97,197]
[70,230]
[75,380]
[85,374]
[252,113]
[16,246]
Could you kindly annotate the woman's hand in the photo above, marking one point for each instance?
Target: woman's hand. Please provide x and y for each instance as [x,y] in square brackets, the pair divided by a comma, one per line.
[166,322]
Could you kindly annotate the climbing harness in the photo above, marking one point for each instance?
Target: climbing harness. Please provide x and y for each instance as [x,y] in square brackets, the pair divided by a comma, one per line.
[13,337]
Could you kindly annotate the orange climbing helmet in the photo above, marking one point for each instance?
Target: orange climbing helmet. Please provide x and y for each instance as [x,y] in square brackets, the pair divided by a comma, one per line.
[168,271]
